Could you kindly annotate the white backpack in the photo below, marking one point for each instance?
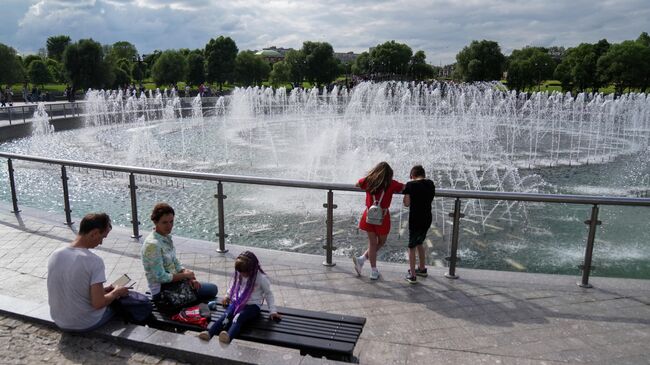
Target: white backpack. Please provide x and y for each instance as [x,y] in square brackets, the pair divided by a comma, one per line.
[375,213]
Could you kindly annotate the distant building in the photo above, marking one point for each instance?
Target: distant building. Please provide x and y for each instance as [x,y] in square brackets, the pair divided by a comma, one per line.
[447,71]
[347,57]
[271,56]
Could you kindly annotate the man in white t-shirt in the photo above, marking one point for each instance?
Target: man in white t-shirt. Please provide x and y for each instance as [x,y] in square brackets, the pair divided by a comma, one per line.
[75,279]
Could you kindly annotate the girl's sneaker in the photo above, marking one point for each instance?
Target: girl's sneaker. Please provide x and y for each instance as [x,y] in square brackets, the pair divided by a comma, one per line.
[422,273]
[411,279]
[224,337]
[358,263]
[374,274]
[204,335]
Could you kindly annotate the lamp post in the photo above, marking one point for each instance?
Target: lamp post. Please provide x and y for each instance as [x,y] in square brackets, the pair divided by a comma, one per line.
[539,74]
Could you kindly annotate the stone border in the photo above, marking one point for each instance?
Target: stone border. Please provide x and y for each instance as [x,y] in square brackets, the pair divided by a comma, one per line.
[169,344]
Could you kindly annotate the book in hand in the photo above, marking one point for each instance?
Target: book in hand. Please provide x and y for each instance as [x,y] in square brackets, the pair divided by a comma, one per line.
[122,281]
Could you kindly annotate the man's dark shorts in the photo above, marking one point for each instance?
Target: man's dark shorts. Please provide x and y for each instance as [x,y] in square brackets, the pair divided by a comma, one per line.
[417,237]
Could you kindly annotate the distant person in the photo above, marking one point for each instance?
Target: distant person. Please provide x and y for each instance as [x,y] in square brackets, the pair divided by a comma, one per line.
[26,98]
[380,187]
[187,91]
[161,266]
[418,196]
[3,98]
[250,288]
[76,293]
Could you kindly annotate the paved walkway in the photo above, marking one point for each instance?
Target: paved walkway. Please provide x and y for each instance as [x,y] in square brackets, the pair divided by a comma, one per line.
[483,317]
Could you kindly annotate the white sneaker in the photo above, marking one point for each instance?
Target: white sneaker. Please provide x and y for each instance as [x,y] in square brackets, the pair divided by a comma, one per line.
[358,263]
[374,274]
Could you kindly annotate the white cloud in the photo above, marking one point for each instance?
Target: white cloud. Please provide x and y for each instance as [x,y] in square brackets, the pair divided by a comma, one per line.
[439,27]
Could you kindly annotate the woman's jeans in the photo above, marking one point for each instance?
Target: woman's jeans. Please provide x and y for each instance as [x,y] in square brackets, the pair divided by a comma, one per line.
[207,291]
[249,312]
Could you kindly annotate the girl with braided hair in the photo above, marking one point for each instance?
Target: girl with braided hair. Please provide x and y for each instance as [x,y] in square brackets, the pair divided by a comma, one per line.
[250,287]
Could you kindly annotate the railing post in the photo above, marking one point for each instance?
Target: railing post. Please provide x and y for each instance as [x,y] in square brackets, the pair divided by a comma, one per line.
[586,265]
[329,243]
[12,184]
[222,221]
[22,108]
[134,207]
[453,250]
[65,114]
[66,197]
[9,113]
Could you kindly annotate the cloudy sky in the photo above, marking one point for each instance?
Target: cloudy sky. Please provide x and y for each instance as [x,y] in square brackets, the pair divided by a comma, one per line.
[439,27]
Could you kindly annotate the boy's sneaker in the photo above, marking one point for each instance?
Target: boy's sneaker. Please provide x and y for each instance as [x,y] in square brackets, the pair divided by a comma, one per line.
[411,279]
[374,274]
[358,263]
[422,273]
[224,337]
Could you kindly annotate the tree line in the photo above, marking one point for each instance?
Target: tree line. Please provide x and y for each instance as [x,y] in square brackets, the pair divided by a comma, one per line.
[624,65]
[89,64]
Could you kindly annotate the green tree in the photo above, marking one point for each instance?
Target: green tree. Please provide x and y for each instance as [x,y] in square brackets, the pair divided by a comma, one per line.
[418,67]
[123,50]
[527,67]
[281,74]
[391,58]
[220,57]
[122,77]
[195,68]
[27,60]
[320,65]
[85,66]
[170,68]
[56,45]
[626,65]
[138,71]
[295,60]
[11,69]
[361,65]
[38,73]
[579,66]
[56,70]
[644,39]
[149,60]
[480,61]
[251,69]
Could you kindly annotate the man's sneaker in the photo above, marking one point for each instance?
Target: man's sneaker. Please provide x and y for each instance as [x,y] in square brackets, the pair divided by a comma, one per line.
[358,263]
[224,337]
[422,273]
[374,274]
[411,279]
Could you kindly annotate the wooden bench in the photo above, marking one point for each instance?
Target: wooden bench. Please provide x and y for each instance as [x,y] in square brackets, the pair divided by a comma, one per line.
[316,334]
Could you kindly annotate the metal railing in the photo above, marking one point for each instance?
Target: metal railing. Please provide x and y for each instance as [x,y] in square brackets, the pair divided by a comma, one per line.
[24,113]
[456,215]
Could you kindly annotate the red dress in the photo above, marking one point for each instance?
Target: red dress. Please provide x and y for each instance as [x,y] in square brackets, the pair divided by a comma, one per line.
[384,228]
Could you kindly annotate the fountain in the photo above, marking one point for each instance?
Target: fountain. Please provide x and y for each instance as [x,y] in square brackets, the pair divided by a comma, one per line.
[473,137]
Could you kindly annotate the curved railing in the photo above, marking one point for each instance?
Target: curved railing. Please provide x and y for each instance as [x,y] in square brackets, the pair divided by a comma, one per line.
[457,195]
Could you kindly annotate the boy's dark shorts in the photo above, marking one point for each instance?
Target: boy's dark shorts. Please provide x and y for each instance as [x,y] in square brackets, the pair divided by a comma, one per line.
[417,237]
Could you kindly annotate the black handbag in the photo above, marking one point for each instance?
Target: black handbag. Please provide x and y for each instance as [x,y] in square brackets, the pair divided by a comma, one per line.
[175,296]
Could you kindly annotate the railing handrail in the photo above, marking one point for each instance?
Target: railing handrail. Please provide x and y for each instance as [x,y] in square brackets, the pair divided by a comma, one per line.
[242,179]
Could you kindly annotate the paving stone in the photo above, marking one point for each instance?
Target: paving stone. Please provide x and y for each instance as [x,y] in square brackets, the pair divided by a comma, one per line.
[483,317]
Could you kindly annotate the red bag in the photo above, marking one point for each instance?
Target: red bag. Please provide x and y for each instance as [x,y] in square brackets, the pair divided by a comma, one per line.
[191,315]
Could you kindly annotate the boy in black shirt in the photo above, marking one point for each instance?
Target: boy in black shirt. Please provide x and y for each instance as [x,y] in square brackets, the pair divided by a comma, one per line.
[418,195]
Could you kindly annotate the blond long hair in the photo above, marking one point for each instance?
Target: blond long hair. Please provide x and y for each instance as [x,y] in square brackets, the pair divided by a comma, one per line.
[379,178]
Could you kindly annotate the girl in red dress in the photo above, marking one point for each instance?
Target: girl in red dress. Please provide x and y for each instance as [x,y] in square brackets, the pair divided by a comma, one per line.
[379,186]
